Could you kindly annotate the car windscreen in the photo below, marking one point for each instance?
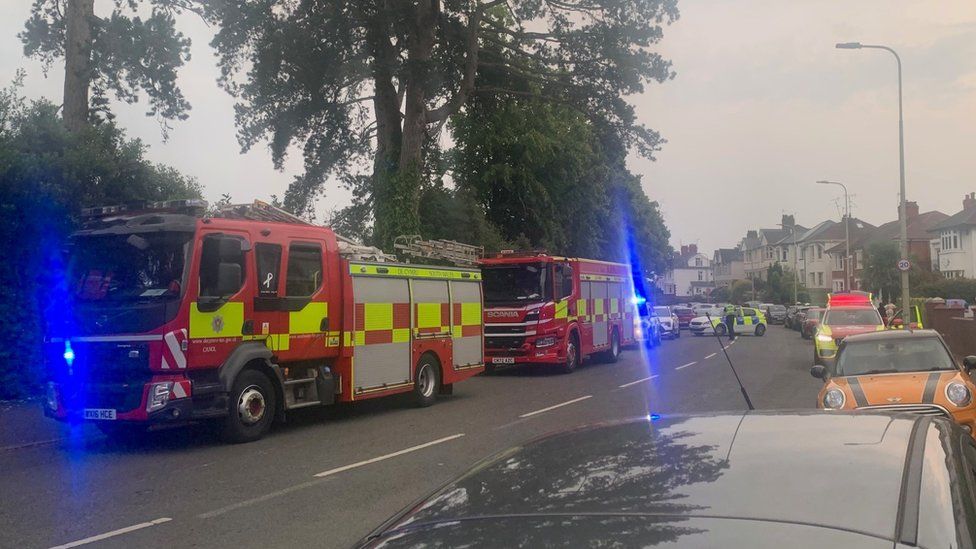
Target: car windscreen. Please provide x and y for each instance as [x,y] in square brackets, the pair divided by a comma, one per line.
[133,267]
[777,309]
[662,311]
[851,317]
[683,310]
[522,283]
[893,356]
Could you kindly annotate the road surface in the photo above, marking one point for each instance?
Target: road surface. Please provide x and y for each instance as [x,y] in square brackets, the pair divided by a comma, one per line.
[329,477]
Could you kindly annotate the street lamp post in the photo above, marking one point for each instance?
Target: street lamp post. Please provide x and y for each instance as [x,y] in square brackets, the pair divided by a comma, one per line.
[902,210]
[847,231]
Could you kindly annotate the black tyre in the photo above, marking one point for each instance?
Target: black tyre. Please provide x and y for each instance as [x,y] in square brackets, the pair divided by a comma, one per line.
[489,369]
[253,404]
[613,353]
[760,330]
[426,380]
[720,329]
[677,333]
[572,354]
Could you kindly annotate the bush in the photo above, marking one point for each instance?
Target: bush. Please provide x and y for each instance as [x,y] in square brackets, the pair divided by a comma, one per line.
[955,288]
[46,176]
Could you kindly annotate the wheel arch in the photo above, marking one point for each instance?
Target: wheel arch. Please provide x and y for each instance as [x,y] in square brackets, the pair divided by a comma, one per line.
[253,356]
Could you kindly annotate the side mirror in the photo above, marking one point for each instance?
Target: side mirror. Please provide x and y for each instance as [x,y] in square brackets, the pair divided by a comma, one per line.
[229,279]
[969,363]
[819,371]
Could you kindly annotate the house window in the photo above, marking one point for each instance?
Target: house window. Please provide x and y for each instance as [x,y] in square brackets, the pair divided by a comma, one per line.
[950,240]
[700,274]
[819,251]
[698,262]
[819,279]
[813,279]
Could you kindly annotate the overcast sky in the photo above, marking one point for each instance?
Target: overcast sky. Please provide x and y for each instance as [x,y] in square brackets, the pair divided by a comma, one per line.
[763,106]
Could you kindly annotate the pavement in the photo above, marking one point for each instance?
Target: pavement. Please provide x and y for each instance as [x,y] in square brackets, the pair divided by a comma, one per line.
[328,477]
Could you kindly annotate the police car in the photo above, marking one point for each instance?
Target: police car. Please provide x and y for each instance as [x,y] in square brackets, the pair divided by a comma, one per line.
[748,320]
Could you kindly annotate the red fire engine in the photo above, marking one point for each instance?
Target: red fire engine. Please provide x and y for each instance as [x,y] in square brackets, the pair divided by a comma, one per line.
[555,310]
[244,315]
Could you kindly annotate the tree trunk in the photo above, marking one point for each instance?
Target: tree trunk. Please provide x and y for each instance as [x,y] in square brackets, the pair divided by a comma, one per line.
[396,192]
[77,62]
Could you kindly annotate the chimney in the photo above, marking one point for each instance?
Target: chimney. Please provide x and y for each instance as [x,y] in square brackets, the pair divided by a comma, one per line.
[684,250]
[911,210]
[692,248]
[788,221]
[969,202]
[752,234]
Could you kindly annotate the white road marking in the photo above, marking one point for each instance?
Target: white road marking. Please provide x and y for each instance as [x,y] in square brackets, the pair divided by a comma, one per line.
[686,365]
[560,405]
[387,456]
[638,381]
[113,533]
[710,356]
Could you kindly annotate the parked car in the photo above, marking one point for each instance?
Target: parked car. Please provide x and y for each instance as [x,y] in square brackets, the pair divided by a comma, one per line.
[790,321]
[776,314]
[701,325]
[684,314]
[798,479]
[669,322]
[800,318]
[811,320]
[648,327]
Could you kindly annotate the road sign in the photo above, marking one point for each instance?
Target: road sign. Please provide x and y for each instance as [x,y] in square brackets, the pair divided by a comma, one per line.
[904,265]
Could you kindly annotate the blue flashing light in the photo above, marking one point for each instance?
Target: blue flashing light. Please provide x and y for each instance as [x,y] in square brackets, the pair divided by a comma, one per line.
[653,417]
[638,300]
[69,353]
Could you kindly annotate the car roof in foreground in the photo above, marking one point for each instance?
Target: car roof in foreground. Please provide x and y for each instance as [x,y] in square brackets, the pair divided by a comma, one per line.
[803,478]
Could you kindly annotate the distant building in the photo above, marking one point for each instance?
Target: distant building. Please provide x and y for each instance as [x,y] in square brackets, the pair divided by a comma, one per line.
[727,266]
[764,248]
[955,241]
[920,243]
[690,275]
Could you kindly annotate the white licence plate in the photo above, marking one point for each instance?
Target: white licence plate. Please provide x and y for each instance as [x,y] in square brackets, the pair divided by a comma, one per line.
[99,413]
[503,360]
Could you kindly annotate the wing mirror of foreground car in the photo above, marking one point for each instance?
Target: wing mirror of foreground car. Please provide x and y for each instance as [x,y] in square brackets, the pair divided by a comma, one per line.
[969,363]
[819,371]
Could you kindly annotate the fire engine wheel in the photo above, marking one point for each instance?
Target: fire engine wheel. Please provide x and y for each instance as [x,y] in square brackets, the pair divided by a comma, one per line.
[613,353]
[572,354]
[252,407]
[760,330]
[427,380]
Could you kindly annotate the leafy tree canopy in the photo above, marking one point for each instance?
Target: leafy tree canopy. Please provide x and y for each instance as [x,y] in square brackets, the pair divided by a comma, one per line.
[134,49]
[366,85]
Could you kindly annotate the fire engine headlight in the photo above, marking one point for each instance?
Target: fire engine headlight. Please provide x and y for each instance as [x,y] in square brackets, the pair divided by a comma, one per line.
[823,338]
[834,399]
[547,341]
[52,396]
[158,396]
[958,394]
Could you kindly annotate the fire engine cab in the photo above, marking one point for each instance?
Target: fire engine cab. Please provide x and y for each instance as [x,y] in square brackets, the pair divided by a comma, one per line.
[173,314]
[555,310]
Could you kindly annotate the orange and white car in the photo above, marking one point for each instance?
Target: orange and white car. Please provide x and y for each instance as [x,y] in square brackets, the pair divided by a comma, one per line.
[899,371]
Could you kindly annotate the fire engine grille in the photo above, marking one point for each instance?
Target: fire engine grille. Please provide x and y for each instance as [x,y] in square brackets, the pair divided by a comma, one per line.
[504,343]
[102,375]
[919,409]
[491,329]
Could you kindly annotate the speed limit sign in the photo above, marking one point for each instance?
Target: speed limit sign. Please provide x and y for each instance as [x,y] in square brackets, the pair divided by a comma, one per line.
[904,265]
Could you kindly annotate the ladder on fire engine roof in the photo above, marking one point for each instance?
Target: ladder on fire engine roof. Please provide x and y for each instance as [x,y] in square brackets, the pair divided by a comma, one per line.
[463,255]
[262,211]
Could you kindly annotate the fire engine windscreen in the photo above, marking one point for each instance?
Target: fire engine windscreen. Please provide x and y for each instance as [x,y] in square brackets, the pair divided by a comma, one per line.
[129,267]
[515,284]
